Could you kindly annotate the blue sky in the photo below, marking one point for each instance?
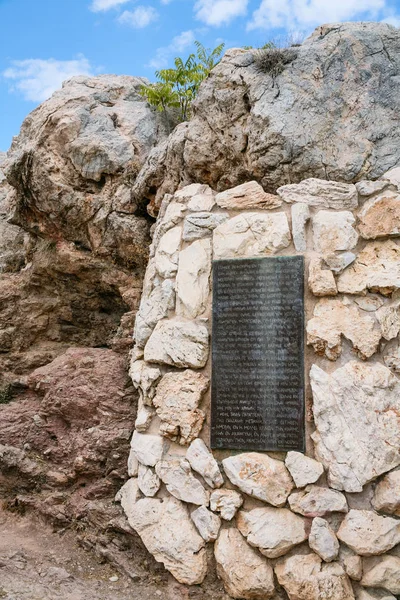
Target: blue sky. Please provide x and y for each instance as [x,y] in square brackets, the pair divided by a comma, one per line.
[43,42]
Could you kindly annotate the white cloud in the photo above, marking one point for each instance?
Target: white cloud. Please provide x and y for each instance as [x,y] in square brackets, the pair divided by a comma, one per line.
[395,21]
[103,5]
[37,79]
[140,17]
[309,13]
[220,12]
[179,43]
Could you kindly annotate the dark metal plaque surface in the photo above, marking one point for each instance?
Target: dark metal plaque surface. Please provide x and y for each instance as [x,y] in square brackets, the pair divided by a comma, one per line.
[258,354]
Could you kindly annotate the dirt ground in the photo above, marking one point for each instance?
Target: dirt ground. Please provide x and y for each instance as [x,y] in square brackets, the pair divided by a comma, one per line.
[38,564]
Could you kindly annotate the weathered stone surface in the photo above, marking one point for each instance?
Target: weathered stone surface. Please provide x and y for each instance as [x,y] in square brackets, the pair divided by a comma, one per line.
[199,197]
[338,262]
[372,594]
[377,269]
[369,188]
[315,501]
[387,494]
[303,469]
[274,531]
[300,216]
[203,462]
[128,495]
[369,303]
[148,481]
[356,411]
[208,524]
[382,572]
[336,317]
[323,541]
[177,400]
[167,253]
[251,234]
[144,378]
[389,320]
[321,281]
[201,225]
[245,574]
[260,476]
[178,343]
[152,308]
[321,193]
[380,216]
[393,176]
[226,502]
[333,231]
[13,240]
[180,481]
[193,279]
[149,449]
[353,566]
[391,359]
[133,464]
[144,417]
[247,196]
[367,533]
[307,578]
[170,536]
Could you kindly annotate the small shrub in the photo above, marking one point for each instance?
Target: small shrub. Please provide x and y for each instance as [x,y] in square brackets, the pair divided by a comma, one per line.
[274,60]
[5,394]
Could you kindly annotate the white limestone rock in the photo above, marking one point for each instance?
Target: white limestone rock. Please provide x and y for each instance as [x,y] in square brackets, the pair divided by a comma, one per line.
[334,317]
[391,358]
[226,502]
[321,281]
[193,279]
[144,417]
[144,378]
[367,188]
[300,216]
[389,320]
[274,531]
[208,524]
[382,572]
[245,574]
[393,176]
[148,449]
[321,193]
[175,472]
[247,196]
[316,501]
[133,464]
[199,197]
[323,540]
[251,234]
[369,303]
[167,253]
[203,462]
[376,269]
[178,343]
[201,225]
[333,231]
[303,469]
[171,537]
[305,577]
[340,261]
[367,533]
[148,481]
[387,494]
[260,476]
[128,495]
[152,308]
[177,400]
[352,564]
[380,216]
[357,436]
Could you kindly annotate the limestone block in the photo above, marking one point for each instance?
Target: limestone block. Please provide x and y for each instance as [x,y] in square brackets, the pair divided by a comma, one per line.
[321,281]
[199,197]
[149,449]
[274,531]
[367,533]
[372,594]
[333,231]
[380,216]
[171,537]
[251,234]
[321,193]
[336,317]
[128,495]
[391,359]
[148,481]
[377,269]
[300,216]
[167,252]
[387,494]
[260,476]
[315,501]
[382,572]
[339,261]
[369,303]
[367,188]
[323,540]
[177,400]
[357,436]
[133,464]
[201,225]
[303,469]
[144,378]
[393,176]
[193,279]
[247,196]
[226,502]
[152,308]
[353,566]
[305,577]
[245,574]
[144,417]
[389,320]
[208,524]
[203,462]
[178,343]
[180,481]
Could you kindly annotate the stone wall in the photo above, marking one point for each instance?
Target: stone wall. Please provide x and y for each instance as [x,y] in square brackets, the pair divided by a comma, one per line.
[323,525]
